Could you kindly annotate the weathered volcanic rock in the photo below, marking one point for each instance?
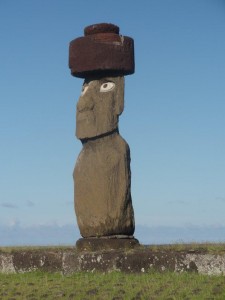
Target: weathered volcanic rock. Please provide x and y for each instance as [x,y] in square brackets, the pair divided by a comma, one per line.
[102,187]
[101,51]
[99,106]
[107,243]
[102,173]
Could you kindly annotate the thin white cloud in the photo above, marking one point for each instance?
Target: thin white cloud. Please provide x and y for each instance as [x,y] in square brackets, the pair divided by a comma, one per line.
[30,203]
[16,235]
[181,202]
[68,234]
[221,199]
[8,205]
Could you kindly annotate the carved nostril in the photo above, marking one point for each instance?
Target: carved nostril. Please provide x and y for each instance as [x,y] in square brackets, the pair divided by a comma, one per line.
[85,104]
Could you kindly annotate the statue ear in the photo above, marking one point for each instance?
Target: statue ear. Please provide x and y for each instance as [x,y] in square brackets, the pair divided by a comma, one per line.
[119,102]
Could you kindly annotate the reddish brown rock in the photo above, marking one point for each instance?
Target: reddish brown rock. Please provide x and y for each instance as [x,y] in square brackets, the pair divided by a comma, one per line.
[102,27]
[101,52]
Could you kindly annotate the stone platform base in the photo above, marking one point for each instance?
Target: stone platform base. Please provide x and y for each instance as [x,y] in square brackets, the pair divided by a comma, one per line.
[106,243]
[140,259]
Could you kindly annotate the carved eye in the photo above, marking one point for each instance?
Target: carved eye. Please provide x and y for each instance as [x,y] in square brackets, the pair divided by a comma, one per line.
[107,86]
[84,90]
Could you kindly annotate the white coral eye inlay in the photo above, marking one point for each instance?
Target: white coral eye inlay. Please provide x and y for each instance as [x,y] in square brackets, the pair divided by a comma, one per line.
[84,90]
[107,86]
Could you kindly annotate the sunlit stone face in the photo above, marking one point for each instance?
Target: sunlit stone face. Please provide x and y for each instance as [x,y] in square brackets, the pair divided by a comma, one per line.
[98,108]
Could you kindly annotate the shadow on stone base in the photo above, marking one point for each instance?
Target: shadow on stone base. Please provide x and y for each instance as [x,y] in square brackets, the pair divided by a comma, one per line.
[106,243]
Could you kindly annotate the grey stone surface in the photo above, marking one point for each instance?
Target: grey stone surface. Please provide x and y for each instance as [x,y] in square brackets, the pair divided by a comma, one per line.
[102,176]
[98,108]
[27,261]
[6,263]
[139,260]
[204,263]
[102,244]
[102,188]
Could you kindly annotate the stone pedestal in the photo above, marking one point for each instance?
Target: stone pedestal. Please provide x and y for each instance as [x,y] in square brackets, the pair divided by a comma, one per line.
[107,243]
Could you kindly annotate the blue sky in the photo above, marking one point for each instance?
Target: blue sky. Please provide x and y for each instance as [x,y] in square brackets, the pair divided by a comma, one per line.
[173,118]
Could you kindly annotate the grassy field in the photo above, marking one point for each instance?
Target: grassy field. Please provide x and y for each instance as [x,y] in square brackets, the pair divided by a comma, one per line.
[214,248]
[114,286]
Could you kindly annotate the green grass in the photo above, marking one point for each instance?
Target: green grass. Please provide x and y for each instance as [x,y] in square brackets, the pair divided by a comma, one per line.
[214,248]
[11,249]
[114,286]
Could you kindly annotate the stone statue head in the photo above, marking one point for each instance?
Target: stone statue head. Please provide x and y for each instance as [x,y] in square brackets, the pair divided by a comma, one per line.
[103,57]
[99,106]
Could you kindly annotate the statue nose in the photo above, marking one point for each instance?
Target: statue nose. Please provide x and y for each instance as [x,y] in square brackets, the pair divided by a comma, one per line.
[85,103]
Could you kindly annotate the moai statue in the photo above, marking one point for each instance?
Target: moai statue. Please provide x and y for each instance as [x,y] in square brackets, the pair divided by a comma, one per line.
[102,176]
